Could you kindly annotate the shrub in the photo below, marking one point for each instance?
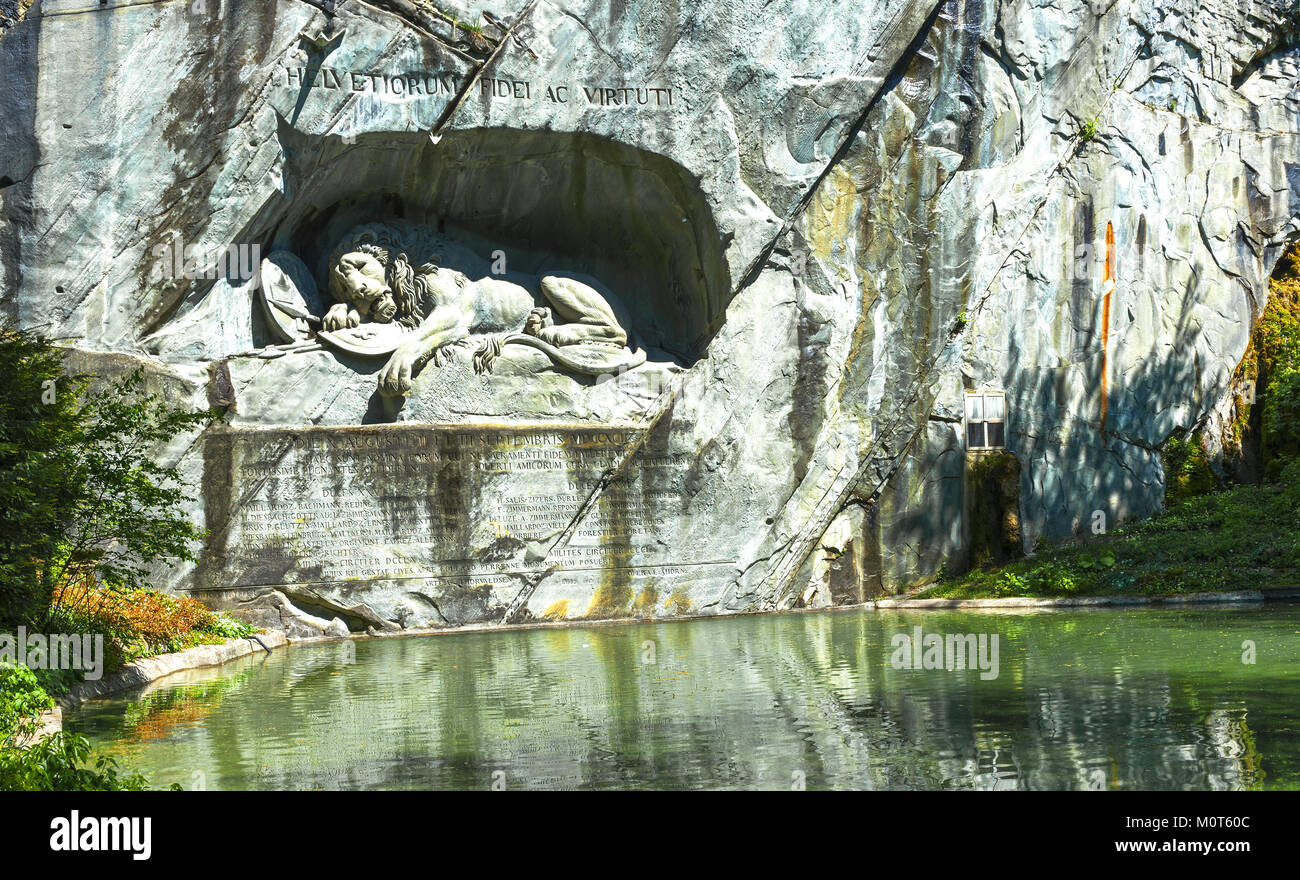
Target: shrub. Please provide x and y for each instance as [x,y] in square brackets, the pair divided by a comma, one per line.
[1264,428]
[58,763]
[1187,469]
[140,623]
[21,697]
[227,628]
[1281,436]
[55,763]
[81,498]
[1276,340]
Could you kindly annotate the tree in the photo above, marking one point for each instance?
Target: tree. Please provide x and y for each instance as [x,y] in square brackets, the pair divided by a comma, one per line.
[80,494]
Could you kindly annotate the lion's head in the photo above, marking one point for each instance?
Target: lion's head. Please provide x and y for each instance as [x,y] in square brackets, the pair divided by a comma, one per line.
[362,279]
[370,271]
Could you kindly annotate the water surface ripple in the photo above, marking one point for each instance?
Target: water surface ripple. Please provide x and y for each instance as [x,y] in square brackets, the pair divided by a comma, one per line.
[1102,699]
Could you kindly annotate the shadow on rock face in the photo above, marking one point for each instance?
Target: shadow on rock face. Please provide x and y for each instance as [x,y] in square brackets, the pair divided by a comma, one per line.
[382,409]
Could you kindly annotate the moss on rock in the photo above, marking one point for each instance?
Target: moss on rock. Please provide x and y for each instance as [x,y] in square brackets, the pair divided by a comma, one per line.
[993,504]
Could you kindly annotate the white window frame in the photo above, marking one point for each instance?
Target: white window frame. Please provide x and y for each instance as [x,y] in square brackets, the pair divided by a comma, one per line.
[975,412]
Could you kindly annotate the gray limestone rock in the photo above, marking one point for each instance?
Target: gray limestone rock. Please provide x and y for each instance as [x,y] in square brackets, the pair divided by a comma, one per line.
[273,609]
[804,235]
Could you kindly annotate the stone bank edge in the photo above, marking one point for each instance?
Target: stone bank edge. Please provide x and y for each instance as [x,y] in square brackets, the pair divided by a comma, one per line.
[141,672]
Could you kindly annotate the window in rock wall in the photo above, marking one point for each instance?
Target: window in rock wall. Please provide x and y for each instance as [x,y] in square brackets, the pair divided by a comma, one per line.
[986,413]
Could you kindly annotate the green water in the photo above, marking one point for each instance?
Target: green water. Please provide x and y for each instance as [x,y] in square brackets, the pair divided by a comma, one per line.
[1123,699]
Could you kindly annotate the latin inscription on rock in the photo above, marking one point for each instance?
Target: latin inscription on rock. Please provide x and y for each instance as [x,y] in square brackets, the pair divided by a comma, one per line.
[421,84]
[392,502]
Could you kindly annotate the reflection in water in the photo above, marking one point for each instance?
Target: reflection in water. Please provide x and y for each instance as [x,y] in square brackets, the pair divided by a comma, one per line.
[1113,699]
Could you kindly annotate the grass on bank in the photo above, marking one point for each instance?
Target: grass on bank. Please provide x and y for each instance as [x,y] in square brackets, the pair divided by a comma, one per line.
[1242,537]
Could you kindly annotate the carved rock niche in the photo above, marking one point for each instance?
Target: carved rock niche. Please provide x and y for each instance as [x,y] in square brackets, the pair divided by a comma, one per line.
[635,220]
[630,224]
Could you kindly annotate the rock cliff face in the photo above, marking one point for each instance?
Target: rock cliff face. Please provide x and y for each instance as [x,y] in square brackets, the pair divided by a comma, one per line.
[826,225]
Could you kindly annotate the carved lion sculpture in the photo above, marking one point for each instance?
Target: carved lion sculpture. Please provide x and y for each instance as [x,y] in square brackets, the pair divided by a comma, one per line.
[372,278]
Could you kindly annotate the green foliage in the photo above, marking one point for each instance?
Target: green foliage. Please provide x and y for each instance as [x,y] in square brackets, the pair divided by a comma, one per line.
[996,465]
[38,418]
[81,496]
[227,627]
[59,763]
[1048,579]
[1105,559]
[1281,435]
[56,763]
[1187,469]
[58,682]
[1277,335]
[1265,428]
[1273,361]
[21,696]
[1088,129]
[1290,483]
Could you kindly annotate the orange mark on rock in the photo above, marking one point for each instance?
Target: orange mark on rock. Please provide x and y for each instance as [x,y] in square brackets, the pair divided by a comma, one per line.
[1108,287]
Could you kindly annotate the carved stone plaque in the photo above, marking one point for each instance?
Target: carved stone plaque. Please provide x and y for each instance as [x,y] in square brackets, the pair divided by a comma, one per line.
[413,510]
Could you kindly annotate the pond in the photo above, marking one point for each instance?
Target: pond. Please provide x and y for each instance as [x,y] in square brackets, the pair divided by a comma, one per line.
[1139,698]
